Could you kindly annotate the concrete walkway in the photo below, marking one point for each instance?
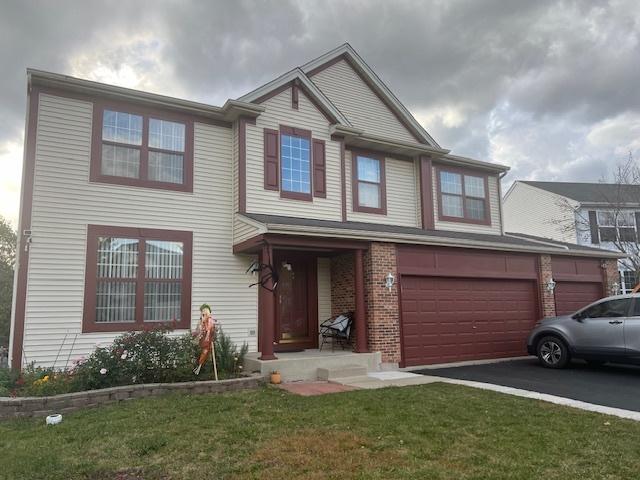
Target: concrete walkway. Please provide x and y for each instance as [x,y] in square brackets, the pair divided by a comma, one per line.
[386,379]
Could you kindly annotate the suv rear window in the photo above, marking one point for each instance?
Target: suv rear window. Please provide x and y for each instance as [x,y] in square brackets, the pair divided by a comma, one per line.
[610,308]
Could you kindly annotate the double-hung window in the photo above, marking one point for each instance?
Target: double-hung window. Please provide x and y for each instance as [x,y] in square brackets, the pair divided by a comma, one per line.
[141,147]
[616,226]
[368,183]
[463,197]
[136,277]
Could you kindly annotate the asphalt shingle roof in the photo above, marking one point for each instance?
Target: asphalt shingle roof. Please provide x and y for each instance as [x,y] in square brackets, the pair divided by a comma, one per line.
[591,192]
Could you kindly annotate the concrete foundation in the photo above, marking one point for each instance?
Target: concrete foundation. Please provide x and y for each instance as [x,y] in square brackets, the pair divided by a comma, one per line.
[298,366]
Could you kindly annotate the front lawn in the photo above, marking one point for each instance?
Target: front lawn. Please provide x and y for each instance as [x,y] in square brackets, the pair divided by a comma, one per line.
[434,431]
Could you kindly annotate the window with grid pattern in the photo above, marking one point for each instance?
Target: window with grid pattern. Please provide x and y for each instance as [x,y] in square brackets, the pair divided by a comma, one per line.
[463,196]
[139,278]
[143,149]
[616,226]
[296,164]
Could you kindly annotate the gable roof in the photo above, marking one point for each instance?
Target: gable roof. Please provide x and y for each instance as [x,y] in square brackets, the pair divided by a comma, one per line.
[296,75]
[347,52]
[591,192]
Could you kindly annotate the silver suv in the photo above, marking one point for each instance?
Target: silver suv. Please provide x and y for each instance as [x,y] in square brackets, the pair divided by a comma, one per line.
[605,331]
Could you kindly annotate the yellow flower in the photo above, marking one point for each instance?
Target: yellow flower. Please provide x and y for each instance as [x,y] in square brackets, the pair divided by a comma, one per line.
[46,378]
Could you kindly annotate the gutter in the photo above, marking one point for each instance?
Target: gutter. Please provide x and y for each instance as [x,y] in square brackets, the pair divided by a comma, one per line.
[230,111]
[311,231]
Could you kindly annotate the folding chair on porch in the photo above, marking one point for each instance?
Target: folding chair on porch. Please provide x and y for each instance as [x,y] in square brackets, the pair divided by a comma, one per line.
[337,330]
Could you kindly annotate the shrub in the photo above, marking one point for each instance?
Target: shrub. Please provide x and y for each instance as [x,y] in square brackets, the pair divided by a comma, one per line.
[136,357]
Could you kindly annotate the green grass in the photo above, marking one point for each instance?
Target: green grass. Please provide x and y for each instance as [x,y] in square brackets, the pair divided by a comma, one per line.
[432,431]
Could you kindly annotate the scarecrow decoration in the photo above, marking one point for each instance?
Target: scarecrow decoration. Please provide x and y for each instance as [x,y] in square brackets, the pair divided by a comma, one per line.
[206,338]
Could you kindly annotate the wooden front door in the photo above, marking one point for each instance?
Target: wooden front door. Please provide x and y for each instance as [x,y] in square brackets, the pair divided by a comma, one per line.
[296,301]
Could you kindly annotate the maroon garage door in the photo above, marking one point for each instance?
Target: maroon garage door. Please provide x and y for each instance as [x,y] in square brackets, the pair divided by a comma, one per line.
[578,283]
[455,319]
[465,305]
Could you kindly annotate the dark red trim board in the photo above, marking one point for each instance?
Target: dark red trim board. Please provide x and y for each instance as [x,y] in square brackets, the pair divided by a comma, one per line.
[26,201]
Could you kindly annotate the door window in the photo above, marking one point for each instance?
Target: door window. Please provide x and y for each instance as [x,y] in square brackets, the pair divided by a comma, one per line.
[608,309]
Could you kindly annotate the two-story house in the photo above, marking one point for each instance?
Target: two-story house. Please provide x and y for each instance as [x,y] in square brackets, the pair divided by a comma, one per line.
[137,208]
[603,215]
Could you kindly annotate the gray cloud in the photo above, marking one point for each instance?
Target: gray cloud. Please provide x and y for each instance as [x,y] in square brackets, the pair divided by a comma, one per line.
[519,82]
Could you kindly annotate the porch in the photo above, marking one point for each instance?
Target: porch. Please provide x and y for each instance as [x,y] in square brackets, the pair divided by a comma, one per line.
[314,364]
[302,282]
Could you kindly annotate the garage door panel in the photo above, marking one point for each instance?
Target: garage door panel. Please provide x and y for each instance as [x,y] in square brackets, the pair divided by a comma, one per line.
[572,296]
[461,319]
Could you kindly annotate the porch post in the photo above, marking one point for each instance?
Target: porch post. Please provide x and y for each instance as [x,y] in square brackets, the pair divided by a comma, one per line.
[267,305]
[360,321]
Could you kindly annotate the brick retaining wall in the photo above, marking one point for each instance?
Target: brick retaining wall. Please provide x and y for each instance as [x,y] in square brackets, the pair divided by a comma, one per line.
[69,402]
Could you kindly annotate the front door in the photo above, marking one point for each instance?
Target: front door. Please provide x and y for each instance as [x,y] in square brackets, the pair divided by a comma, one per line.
[296,301]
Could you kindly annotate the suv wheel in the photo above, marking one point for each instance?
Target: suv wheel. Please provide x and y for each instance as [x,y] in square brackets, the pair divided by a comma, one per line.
[552,352]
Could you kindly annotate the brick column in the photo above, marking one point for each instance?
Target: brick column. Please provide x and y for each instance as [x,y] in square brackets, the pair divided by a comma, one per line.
[383,314]
[360,313]
[610,275]
[343,297]
[548,298]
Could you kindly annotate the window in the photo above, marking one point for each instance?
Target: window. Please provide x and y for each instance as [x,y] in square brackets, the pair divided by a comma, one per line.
[368,183]
[142,147]
[628,280]
[296,164]
[463,197]
[608,309]
[136,277]
[614,226]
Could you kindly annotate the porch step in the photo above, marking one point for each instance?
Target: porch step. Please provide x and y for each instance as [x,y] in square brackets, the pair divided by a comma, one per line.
[332,373]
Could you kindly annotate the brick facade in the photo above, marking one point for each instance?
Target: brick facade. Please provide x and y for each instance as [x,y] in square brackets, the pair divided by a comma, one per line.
[383,313]
[548,298]
[342,287]
[611,277]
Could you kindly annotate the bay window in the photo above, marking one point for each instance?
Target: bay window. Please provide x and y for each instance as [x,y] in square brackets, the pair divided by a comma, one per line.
[136,277]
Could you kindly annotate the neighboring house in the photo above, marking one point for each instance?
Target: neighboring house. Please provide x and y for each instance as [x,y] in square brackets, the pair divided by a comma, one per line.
[590,214]
[137,208]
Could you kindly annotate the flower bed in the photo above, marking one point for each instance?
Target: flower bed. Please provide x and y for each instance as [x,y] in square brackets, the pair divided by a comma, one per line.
[133,358]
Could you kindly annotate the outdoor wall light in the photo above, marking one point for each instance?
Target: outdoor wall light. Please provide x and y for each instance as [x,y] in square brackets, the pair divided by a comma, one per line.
[551,285]
[389,280]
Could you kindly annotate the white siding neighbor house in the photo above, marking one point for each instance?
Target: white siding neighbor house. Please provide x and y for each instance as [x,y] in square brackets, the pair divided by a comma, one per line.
[137,208]
[597,215]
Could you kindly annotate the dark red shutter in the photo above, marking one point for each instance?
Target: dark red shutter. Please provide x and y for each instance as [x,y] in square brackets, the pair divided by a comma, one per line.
[593,226]
[271,173]
[319,169]
[638,225]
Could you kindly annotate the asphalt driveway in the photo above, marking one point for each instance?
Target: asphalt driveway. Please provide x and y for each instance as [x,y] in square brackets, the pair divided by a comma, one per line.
[610,385]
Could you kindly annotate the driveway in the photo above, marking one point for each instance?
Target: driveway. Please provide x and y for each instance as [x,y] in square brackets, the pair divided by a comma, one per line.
[615,386]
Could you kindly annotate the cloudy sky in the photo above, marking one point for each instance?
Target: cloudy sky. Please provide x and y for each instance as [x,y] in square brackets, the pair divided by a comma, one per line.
[550,88]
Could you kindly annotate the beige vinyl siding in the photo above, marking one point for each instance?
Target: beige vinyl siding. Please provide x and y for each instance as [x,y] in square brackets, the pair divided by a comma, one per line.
[65,203]
[324,289]
[494,207]
[279,112]
[353,97]
[243,230]
[402,195]
[533,211]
